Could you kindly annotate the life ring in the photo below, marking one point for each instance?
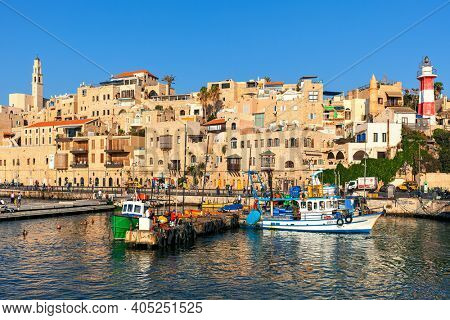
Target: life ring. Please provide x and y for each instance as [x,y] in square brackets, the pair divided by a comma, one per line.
[348,219]
[340,222]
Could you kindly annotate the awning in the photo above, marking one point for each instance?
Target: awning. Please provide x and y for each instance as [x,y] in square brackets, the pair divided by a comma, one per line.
[394,94]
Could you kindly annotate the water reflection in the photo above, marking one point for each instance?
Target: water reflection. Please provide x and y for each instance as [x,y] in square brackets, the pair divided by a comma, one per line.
[403,259]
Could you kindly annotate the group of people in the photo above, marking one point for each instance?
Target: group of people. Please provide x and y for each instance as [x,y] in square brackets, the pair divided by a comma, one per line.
[16,200]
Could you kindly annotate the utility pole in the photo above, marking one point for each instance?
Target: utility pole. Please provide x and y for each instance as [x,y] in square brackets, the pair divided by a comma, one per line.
[184,169]
[206,167]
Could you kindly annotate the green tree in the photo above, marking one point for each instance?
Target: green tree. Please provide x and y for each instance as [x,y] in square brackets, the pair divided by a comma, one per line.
[170,79]
[442,138]
[203,96]
[267,78]
[438,88]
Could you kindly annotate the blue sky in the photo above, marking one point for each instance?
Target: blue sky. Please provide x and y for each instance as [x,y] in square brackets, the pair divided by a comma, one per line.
[200,41]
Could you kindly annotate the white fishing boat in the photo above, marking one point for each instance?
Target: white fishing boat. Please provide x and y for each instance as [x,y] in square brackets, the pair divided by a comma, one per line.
[318,215]
[315,211]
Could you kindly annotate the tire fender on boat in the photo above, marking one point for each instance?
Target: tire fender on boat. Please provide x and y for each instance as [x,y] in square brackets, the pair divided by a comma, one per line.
[340,222]
[348,219]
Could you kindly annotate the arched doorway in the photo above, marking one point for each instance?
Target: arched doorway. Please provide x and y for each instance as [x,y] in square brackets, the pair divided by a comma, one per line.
[82,181]
[359,155]
[110,182]
[96,182]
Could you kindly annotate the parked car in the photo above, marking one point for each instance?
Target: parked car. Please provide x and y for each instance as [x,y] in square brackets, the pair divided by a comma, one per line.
[408,186]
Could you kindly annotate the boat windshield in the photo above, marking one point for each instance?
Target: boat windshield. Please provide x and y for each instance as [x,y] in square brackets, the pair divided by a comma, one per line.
[137,209]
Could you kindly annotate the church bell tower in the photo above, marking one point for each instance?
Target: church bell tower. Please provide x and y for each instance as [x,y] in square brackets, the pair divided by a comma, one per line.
[37,85]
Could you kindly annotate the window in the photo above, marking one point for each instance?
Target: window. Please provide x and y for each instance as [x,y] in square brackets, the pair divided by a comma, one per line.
[182,113]
[384,136]
[259,120]
[276,142]
[93,144]
[269,143]
[151,161]
[249,145]
[193,159]
[102,157]
[233,126]
[233,143]
[242,144]
[256,143]
[404,120]
[34,161]
[262,143]
[375,137]
[380,100]
[93,158]
[313,96]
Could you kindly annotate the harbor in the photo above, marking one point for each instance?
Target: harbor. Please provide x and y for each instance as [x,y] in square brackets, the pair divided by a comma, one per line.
[81,261]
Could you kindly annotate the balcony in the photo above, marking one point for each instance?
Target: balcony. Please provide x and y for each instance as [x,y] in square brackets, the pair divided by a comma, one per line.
[234,163]
[136,122]
[79,151]
[118,150]
[118,164]
[165,142]
[79,164]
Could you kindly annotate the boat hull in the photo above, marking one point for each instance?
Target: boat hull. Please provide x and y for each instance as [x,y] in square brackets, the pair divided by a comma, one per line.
[360,224]
[120,224]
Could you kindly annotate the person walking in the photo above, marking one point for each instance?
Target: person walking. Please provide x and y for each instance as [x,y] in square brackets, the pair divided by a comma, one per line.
[13,197]
[19,199]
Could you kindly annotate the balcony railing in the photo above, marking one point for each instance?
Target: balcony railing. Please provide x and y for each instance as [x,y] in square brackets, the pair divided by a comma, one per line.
[79,151]
[114,164]
[116,150]
[79,165]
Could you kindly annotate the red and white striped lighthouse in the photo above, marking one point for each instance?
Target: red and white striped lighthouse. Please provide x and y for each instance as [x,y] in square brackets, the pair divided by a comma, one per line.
[426,75]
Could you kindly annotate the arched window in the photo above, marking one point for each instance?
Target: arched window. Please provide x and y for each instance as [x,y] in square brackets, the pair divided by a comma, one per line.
[233,143]
[233,126]
[110,182]
[359,155]
[182,113]
[59,181]
[289,164]
[81,181]
[330,155]
[96,182]
[340,156]
[104,182]
[160,163]
[193,159]
[118,182]
[276,142]
[151,161]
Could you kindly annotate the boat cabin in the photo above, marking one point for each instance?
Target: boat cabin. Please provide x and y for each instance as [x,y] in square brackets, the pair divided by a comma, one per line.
[134,208]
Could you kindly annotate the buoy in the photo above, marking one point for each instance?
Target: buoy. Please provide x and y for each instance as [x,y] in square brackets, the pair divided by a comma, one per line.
[58,227]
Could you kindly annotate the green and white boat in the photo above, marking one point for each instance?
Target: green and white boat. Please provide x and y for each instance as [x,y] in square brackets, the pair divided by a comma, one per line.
[128,219]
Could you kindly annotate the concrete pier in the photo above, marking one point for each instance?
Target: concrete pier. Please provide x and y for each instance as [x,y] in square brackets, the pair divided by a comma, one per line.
[185,232]
[413,207]
[41,210]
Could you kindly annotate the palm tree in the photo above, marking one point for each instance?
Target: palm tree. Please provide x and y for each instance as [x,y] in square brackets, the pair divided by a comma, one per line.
[438,88]
[203,96]
[267,78]
[214,93]
[169,79]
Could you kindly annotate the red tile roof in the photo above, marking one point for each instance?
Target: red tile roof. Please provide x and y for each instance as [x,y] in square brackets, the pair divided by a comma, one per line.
[215,121]
[274,83]
[60,123]
[132,73]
